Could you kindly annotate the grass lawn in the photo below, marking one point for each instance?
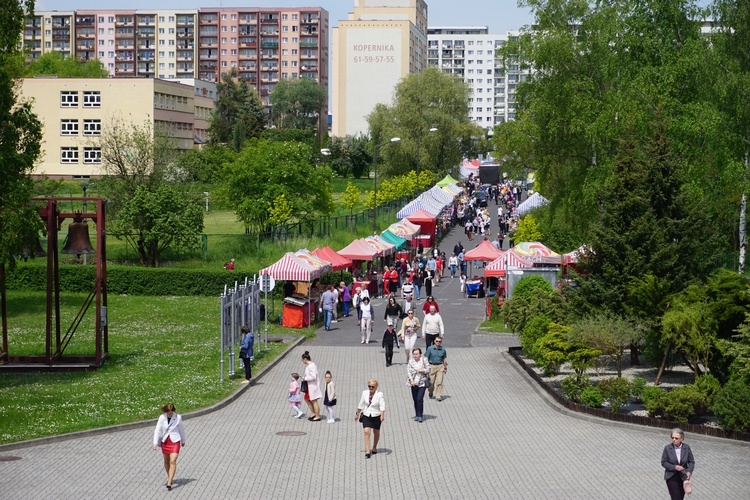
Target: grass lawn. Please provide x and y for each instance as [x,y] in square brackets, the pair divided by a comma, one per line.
[163,349]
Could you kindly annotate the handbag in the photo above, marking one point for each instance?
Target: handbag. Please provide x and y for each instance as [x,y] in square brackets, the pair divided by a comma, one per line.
[361,417]
[687,486]
[303,386]
[427,382]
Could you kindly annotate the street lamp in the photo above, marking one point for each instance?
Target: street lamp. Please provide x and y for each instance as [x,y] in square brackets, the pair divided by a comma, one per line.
[419,155]
[375,183]
[206,193]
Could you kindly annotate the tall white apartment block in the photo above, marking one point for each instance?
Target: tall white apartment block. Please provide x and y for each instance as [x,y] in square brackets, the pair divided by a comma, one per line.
[472,53]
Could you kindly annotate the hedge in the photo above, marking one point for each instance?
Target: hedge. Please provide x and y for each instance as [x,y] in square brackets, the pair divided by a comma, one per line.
[126,280]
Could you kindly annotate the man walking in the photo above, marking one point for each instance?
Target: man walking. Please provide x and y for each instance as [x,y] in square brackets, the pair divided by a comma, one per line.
[438,359]
[432,326]
[328,302]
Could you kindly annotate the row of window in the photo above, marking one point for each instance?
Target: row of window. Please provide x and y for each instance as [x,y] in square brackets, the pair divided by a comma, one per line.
[91,99]
[70,154]
[90,127]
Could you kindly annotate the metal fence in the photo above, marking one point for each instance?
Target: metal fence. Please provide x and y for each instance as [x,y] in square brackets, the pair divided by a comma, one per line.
[240,306]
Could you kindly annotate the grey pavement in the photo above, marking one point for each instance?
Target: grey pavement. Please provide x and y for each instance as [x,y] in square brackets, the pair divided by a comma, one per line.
[494,436]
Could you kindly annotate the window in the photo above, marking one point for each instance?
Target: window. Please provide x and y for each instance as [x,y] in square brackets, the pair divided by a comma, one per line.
[111,19]
[223,40]
[224,28]
[91,155]
[233,52]
[223,52]
[284,17]
[295,40]
[101,19]
[92,99]
[161,65]
[101,54]
[223,17]
[68,99]
[171,42]
[294,64]
[68,127]
[295,28]
[234,41]
[294,52]
[101,43]
[68,155]
[284,39]
[161,19]
[285,29]
[92,127]
[234,17]
[294,17]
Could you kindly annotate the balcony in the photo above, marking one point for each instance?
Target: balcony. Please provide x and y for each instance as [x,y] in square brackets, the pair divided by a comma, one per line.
[308,44]
[127,23]
[308,56]
[83,22]
[187,21]
[84,47]
[269,43]
[184,34]
[149,21]
[209,57]
[208,20]
[309,20]
[269,18]
[61,36]
[185,46]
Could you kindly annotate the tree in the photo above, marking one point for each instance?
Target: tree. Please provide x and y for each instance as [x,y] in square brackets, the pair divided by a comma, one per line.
[151,207]
[55,63]
[607,333]
[281,211]
[430,99]
[297,103]
[528,229]
[688,327]
[351,196]
[239,112]
[731,40]
[349,156]
[265,170]
[205,164]
[20,140]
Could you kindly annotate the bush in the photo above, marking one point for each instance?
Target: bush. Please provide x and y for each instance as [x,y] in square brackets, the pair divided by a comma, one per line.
[527,287]
[592,396]
[535,329]
[582,357]
[516,313]
[709,386]
[551,351]
[573,386]
[732,406]
[684,402]
[655,401]
[637,387]
[616,391]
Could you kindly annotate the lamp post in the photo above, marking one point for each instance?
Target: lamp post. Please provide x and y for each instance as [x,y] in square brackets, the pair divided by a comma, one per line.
[206,193]
[375,183]
[419,151]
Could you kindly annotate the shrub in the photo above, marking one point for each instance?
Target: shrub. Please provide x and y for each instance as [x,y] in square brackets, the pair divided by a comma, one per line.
[535,329]
[709,386]
[616,391]
[732,406]
[637,387]
[681,403]
[516,314]
[527,287]
[582,357]
[655,401]
[573,386]
[592,396]
[551,351]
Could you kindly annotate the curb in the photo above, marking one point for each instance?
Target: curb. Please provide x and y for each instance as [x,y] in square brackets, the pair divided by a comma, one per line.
[552,403]
[147,423]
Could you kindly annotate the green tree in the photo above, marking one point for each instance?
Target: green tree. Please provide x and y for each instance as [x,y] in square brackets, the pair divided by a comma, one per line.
[281,211]
[351,197]
[528,229]
[55,63]
[689,327]
[20,140]
[608,333]
[238,106]
[265,170]
[349,156]
[150,208]
[430,99]
[297,103]
[205,164]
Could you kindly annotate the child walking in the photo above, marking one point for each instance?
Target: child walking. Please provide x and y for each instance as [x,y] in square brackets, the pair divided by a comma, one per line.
[329,400]
[294,396]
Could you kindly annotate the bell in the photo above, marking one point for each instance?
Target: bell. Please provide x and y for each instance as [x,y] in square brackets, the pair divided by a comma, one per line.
[37,252]
[78,241]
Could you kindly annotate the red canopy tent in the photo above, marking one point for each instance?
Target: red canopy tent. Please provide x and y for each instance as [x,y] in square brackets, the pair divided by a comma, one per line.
[426,221]
[357,250]
[484,251]
[508,259]
[337,261]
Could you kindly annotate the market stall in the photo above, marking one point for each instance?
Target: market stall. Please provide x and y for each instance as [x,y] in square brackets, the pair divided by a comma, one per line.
[360,252]
[426,222]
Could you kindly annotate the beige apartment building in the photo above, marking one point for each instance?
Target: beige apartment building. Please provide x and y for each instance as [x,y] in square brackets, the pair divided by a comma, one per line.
[263,44]
[75,112]
[381,42]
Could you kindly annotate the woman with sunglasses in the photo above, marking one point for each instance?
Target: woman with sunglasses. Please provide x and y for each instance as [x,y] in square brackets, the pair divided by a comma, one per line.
[372,408]
[408,332]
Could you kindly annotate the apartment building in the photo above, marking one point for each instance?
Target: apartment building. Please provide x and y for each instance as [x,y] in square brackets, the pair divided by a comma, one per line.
[472,53]
[381,42]
[263,44]
[76,112]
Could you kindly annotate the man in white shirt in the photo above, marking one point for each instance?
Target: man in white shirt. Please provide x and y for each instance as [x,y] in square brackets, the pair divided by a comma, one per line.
[432,327]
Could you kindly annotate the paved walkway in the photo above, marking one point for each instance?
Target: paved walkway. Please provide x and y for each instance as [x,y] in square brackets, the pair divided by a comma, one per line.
[494,436]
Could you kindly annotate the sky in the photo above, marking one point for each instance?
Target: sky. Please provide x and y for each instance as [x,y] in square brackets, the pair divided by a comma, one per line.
[499,15]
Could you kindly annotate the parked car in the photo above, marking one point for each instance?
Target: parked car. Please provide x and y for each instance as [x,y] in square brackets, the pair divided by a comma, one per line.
[481,198]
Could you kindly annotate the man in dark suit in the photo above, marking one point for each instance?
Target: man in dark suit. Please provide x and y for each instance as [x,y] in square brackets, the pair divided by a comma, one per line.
[678,462]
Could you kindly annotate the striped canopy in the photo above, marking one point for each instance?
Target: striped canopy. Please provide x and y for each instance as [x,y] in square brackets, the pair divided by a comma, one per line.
[537,252]
[391,238]
[441,196]
[378,243]
[452,189]
[404,229]
[536,200]
[297,268]
[575,256]
[508,259]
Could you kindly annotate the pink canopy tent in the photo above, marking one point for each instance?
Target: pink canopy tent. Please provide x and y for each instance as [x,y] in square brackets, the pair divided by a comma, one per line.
[484,251]
[426,221]
[537,253]
[404,229]
[337,261]
[508,259]
[357,250]
[292,267]
[378,243]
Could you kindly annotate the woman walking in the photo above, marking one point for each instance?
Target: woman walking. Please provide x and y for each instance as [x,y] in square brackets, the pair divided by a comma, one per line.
[368,313]
[390,337]
[372,409]
[408,333]
[393,311]
[313,393]
[170,436]
[419,378]
[678,462]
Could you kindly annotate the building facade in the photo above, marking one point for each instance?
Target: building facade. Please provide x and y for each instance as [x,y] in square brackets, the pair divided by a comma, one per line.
[472,54]
[76,112]
[381,42]
[263,44]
